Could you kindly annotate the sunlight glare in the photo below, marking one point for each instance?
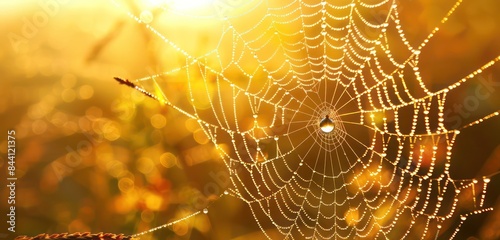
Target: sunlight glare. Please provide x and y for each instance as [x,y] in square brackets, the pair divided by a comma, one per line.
[190,4]
[181,4]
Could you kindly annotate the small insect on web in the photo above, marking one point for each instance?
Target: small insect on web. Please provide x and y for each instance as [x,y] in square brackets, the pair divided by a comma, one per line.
[323,119]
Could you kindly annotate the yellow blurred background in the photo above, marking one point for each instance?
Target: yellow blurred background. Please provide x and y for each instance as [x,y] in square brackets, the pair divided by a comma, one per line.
[93,155]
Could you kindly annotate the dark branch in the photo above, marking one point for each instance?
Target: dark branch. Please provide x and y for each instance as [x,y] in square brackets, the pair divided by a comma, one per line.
[132,85]
[79,236]
[125,81]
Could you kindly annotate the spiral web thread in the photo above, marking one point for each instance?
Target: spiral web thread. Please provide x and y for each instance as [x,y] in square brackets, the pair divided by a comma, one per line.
[276,72]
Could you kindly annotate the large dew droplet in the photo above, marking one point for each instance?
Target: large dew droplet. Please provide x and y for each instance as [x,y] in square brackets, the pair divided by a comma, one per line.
[326,125]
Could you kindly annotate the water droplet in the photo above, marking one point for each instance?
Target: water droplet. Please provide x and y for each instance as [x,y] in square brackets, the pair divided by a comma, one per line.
[326,125]
[205,211]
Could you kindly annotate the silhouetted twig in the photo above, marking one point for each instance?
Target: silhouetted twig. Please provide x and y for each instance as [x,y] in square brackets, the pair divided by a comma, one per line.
[78,236]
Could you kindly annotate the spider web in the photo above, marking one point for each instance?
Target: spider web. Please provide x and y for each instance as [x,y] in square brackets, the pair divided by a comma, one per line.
[277,71]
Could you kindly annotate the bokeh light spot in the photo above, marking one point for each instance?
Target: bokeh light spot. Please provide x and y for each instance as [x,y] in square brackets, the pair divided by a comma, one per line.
[68,81]
[202,223]
[93,113]
[86,91]
[200,137]
[153,201]
[39,110]
[168,160]
[115,168]
[180,228]
[39,126]
[70,128]
[352,216]
[145,165]
[158,121]
[78,226]
[68,95]
[125,203]
[191,125]
[126,184]
[147,216]
[111,131]
[58,119]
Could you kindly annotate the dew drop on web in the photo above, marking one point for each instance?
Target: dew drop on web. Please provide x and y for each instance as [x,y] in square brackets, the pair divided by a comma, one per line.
[326,125]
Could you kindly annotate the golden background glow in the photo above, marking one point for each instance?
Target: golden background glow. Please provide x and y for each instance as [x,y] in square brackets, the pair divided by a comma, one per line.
[93,155]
